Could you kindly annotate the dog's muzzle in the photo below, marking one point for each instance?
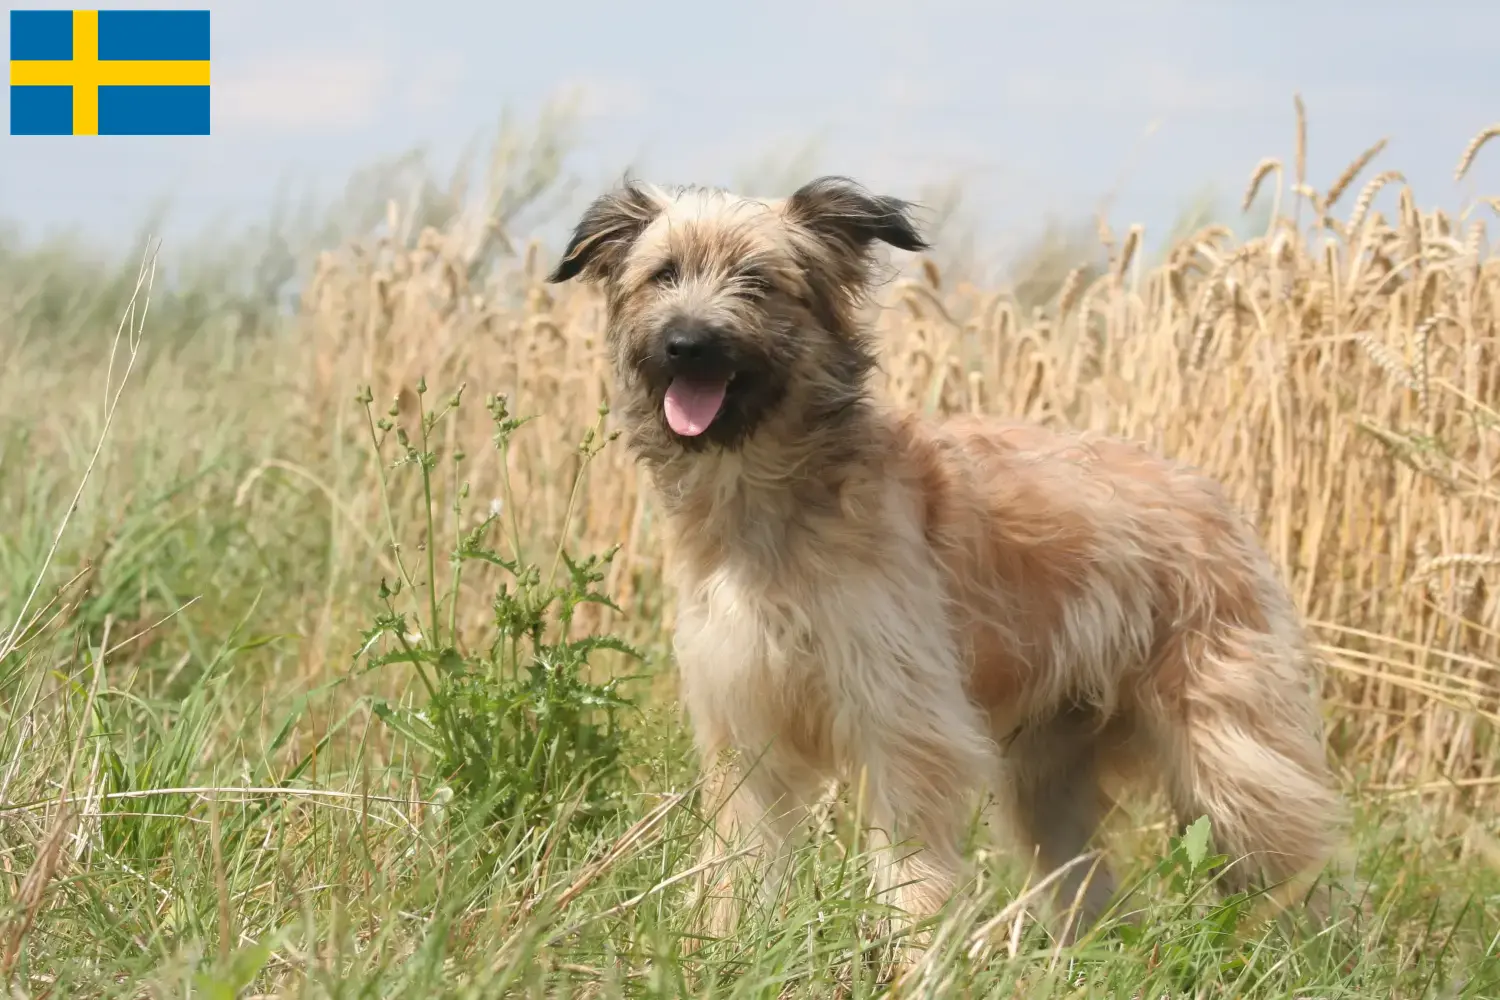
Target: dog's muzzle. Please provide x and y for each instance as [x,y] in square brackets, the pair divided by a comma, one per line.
[699,368]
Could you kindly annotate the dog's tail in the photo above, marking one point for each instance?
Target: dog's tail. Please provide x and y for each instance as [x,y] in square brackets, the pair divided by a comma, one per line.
[1238,723]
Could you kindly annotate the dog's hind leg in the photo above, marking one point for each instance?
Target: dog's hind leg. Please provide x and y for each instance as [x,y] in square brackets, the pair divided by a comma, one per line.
[1056,804]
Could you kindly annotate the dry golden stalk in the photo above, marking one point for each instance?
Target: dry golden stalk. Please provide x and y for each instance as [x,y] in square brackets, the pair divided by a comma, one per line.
[1411,224]
[1177,287]
[1263,168]
[930,272]
[1475,240]
[1301,176]
[33,891]
[1352,171]
[1367,196]
[1472,150]
[1432,567]
[1067,296]
[1385,359]
[1419,371]
[1127,251]
[1307,191]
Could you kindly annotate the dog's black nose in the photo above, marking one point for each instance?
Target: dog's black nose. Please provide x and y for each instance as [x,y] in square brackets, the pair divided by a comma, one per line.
[694,347]
[684,345]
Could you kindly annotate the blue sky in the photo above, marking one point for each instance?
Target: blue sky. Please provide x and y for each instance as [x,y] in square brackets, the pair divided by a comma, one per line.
[1035,109]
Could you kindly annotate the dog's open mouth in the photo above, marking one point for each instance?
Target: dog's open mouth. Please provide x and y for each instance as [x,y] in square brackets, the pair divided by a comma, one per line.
[692,403]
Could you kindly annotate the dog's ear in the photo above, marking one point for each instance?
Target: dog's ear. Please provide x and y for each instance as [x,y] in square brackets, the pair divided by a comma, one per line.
[604,235]
[839,211]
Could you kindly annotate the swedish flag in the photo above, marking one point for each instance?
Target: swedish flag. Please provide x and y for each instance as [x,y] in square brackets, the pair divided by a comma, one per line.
[109,72]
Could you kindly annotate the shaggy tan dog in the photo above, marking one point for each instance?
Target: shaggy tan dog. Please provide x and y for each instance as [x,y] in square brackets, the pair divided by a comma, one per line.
[932,608]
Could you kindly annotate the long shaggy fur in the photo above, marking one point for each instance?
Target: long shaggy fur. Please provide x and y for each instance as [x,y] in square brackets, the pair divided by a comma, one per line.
[936,608]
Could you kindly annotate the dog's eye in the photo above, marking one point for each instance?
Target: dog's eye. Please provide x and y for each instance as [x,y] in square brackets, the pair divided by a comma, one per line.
[666,274]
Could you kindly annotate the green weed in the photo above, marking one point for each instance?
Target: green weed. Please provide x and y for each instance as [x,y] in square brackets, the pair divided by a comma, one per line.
[510,717]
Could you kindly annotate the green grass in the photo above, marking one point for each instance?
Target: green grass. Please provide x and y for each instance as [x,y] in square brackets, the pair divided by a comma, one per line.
[206,791]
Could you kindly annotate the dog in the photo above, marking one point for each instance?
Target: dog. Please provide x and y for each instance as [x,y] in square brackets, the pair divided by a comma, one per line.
[932,608]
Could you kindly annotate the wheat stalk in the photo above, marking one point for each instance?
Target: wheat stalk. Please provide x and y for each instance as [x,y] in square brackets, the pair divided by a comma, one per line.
[1352,171]
[1419,372]
[1262,169]
[1072,287]
[1385,360]
[1301,151]
[1469,560]
[1299,181]
[1472,150]
[1127,251]
[1367,196]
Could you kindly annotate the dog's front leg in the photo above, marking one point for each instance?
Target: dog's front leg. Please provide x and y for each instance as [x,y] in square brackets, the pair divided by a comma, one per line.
[916,794]
[756,805]
[920,746]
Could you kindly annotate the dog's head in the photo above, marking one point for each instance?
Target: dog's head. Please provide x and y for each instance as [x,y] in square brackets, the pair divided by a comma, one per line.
[726,311]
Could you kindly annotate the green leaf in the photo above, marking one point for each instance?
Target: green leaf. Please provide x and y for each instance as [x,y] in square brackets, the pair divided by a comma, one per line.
[1195,842]
[468,553]
[450,660]
[259,641]
[244,965]
[416,654]
[589,643]
[408,725]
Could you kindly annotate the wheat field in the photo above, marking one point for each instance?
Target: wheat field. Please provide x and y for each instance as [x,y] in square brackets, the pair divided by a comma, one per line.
[201,792]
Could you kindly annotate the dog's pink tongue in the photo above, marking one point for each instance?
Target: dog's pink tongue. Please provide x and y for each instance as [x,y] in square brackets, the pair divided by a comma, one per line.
[692,404]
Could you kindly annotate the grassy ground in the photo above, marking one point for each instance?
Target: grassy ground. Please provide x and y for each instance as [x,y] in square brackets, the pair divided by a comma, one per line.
[252,747]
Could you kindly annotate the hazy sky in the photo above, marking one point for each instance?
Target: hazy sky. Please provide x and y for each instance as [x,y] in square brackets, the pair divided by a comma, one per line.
[1036,108]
